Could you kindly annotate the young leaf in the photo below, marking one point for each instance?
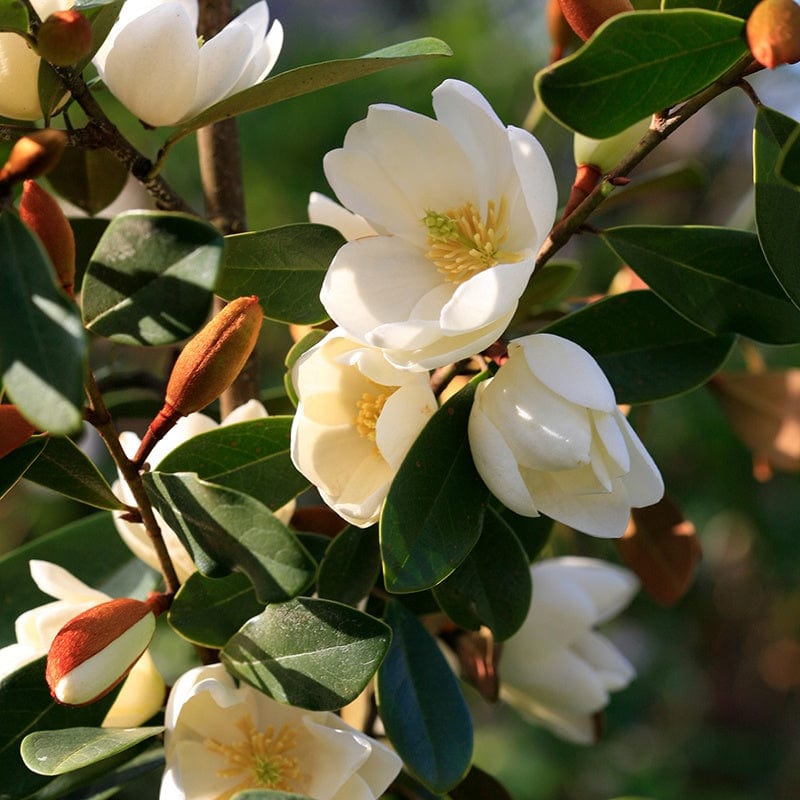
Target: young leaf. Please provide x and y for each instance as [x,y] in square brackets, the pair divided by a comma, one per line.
[351,565]
[311,653]
[421,704]
[637,64]
[42,348]
[284,266]
[226,530]
[13,16]
[434,511]
[715,277]
[151,278]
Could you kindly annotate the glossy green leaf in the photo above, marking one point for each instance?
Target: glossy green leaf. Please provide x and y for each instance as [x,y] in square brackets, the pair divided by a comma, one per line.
[532,533]
[655,354]
[284,266]
[251,457]
[639,63]
[14,465]
[66,469]
[789,160]
[492,585]
[268,794]
[42,348]
[151,278]
[715,277]
[351,565]
[736,8]
[311,653]
[434,511]
[208,611]
[551,283]
[777,202]
[479,785]
[60,751]
[226,530]
[88,232]
[421,704]
[13,15]
[89,179]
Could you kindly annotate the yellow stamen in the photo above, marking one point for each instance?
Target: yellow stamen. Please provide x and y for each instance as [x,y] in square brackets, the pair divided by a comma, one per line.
[369,409]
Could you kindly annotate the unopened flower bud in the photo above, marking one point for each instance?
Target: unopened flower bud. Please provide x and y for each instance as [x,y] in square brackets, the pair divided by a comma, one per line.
[94,651]
[15,430]
[64,38]
[559,29]
[206,367]
[39,210]
[773,32]
[34,155]
[585,16]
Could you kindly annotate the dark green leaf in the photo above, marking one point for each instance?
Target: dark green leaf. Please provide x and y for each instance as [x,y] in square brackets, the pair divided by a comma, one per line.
[151,278]
[655,354]
[492,586]
[88,232]
[208,611]
[736,8]
[715,277]
[13,16]
[14,465]
[552,281]
[60,751]
[42,348]
[89,179]
[479,785]
[434,511]
[268,794]
[421,704]
[251,457]
[226,530]
[284,266]
[777,202]
[311,653]
[789,160]
[351,565]
[533,533]
[637,64]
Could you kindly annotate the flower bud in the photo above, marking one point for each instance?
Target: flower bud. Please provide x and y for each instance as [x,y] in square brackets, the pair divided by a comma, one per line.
[207,366]
[34,155]
[773,32]
[14,429]
[559,29]
[39,210]
[94,651]
[64,38]
[585,16]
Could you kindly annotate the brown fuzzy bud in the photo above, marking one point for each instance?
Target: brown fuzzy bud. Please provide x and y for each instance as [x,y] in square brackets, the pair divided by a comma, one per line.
[34,155]
[41,213]
[15,430]
[560,32]
[207,366]
[773,33]
[64,38]
[586,16]
[94,651]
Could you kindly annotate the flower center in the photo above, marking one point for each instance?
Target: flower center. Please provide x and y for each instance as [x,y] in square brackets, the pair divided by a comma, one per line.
[369,409]
[262,758]
[462,244]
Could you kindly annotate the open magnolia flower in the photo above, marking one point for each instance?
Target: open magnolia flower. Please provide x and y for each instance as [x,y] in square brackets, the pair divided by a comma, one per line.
[19,68]
[134,533]
[556,670]
[357,418]
[221,739]
[460,205]
[142,693]
[153,63]
[547,437]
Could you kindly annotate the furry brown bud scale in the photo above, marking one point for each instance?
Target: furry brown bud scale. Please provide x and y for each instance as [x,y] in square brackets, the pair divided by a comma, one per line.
[773,33]
[64,38]
[586,16]
[32,156]
[15,430]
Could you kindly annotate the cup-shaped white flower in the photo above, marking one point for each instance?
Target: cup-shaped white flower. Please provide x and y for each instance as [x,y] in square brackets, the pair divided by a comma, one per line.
[357,418]
[142,693]
[461,204]
[133,533]
[557,670]
[19,68]
[221,739]
[547,437]
[154,65]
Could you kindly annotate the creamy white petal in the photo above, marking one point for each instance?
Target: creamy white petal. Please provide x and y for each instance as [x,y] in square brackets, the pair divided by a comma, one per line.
[247,412]
[610,587]
[324,211]
[337,754]
[141,696]
[643,483]
[404,415]
[613,441]
[612,668]
[62,584]
[19,79]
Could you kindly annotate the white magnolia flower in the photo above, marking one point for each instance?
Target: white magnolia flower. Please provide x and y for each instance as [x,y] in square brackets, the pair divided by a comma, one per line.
[221,739]
[358,417]
[460,204]
[154,64]
[19,68]
[556,670]
[547,437]
[142,693]
[134,533]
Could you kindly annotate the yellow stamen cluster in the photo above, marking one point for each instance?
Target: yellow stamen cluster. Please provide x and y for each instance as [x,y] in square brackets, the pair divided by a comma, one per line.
[369,409]
[462,244]
[262,758]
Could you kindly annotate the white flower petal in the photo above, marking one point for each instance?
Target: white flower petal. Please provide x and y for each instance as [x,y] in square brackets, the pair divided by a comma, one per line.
[613,441]
[62,584]
[324,211]
[643,483]
[613,670]
[404,415]
[141,696]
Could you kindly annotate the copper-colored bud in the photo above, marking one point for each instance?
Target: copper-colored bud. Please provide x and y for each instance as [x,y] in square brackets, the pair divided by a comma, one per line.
[773,33]
[34,155]
[64,38]
[559,29]
[586,16]
[41,213]
[15,430]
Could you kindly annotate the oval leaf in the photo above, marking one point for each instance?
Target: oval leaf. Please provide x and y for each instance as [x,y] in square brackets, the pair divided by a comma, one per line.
[351,565]
[89,179]
[13,16]
[736,8]
[151,278]
[14,465]
[311,653]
